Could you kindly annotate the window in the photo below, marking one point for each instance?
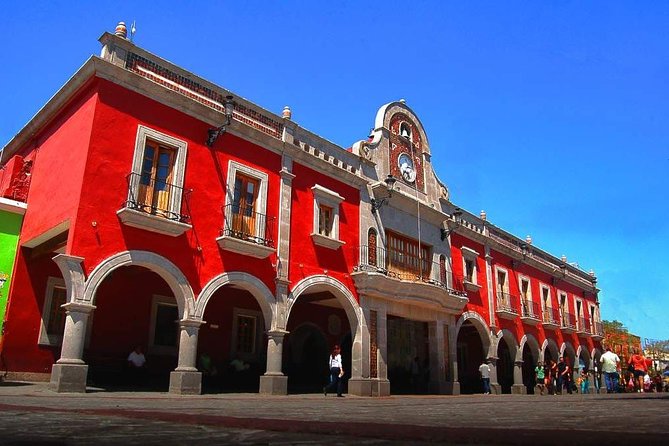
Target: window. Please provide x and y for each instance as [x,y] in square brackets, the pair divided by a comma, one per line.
[158,174]
[564,309]
[405,130]
[469,258]
[526,296]
[164,329]
[405,258]
[247,329]
[326,217]
[502,285]
[245,195]
[53,315]
[580,321]
[546,303]
[371,247]
[325,220]
[442,270]
[503,296]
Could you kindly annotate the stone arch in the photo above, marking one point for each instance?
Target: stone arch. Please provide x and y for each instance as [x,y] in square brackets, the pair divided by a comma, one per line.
[168,271]
[569,349]
[348,303]
[551,345]
[534,347]
[481,327]
[248,282]
[583,350]
[510,341]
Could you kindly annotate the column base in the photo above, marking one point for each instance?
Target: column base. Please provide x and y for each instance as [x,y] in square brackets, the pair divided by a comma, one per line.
[274,384]
[186,383]
[68,378]
[452,388]
[495,388]
[518,389]
[368,387]
[441,387]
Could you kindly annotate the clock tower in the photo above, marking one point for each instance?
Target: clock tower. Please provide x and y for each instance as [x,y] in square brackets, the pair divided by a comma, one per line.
[405,151]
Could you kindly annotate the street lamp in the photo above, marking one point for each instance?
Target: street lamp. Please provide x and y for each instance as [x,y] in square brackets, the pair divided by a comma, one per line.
[214,133]
[377,204]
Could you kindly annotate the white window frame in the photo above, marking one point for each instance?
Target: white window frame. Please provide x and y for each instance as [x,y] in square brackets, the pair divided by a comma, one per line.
[471,255]
[561,293]
[236,312]
[521,279]
[506,288]
[178,171]
[156,301]
[260,205]
[44,338]
[326,197]
[576,315]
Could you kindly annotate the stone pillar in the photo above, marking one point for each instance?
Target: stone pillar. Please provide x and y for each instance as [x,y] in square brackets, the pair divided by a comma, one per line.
[70,371]
[186,379]
[438,332]
[360,382]
[451,363]
[274,382]
[518,388]
[489,282]
[495,387]
[382,385]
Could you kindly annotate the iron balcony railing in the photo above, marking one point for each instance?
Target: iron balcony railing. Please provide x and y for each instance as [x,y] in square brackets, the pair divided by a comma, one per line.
[568,321]
[155,196]
[244,223]
[531,309]
[410,268]
[507,302]
[597,329]
[584,325]
[551,316]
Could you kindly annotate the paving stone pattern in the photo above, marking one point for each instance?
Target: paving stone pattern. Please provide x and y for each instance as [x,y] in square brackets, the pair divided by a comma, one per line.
[31,414]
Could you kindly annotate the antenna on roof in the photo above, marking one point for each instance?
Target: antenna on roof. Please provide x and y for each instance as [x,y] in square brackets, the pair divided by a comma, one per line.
[133,30]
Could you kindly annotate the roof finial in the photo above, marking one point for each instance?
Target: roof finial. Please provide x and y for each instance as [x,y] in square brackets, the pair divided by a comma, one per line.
[121,30]
[287,114]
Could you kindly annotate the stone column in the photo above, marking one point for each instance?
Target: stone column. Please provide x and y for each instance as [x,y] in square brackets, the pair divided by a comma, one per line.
[437,382]
[274,382]
[70,371]
[518,388]
[186,379]
[360,382]
[452,386]
[495,387]
[382,385]
[489,277]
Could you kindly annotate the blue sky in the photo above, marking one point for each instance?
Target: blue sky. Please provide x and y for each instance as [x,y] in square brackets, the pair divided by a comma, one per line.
[551,116]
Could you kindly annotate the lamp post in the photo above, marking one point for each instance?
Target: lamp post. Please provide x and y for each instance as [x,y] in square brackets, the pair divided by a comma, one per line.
[452,225]
[377,204]
[214,133]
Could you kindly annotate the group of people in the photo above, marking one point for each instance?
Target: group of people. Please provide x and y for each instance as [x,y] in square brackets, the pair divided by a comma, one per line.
[636,378]
[554,378]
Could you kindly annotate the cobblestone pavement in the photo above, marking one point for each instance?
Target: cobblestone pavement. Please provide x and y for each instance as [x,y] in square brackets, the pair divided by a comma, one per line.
[31,414]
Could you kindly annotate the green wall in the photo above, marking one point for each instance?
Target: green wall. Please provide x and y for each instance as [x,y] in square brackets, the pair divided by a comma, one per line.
[10,225]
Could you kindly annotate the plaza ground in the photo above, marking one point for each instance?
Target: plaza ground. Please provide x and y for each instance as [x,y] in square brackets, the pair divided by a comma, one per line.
[32,414]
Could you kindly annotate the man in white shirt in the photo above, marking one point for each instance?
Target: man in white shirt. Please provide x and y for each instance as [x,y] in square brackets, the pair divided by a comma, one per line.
[484,370]
[136,358]
[610,366]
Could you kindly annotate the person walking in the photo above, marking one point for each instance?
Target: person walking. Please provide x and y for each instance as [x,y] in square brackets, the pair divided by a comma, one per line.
[539,372]
[336,372]
[638,362]
[564,375]
[610,366]
[484,370]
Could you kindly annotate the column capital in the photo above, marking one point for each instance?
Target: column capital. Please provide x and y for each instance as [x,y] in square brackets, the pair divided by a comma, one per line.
[78,307]
[191,323]
[282,281]
[286,174]
[277,333]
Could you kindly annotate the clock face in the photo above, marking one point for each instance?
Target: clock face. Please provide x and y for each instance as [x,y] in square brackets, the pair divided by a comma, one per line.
[407,168]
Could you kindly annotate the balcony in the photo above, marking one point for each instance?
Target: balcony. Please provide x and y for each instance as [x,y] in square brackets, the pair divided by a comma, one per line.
[247,232]
[531,313]
[568,323]
[597,331]
[397,277]
[583,327]
[156,206]
[470,285]
[551,319]
[506,305]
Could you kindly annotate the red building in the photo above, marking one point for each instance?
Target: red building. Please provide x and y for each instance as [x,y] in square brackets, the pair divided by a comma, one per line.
[165,211]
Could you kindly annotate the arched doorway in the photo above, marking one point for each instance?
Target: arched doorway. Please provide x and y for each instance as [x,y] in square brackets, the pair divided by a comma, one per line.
[327,307]
[470,354]
[531,357]
[505,365]
[408,355]
[134,307]
[305,359]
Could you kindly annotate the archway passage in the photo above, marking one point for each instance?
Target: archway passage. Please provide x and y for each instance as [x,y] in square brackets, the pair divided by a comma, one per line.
[529,364]
[135,308]
[408,356]
[504,366]
[470,354]
[316,323]
[232,346]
